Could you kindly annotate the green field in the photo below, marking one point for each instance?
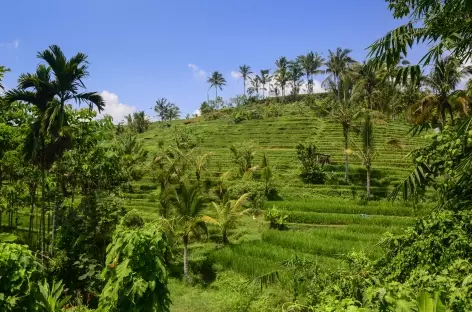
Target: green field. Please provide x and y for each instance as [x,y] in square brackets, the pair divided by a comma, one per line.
[325,221]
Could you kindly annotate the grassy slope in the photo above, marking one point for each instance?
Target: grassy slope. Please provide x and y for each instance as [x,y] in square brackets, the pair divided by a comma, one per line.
[325,223]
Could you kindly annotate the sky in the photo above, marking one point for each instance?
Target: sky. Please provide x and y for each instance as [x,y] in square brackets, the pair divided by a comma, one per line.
[143,50]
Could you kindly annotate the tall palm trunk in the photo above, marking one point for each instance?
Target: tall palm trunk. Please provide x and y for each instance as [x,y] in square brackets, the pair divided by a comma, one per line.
[368,182]
[216,90]
[31,221]
[43,210]
[346,156]
[187,276]
[244,83]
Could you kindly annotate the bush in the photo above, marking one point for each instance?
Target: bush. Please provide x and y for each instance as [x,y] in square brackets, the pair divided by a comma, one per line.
[19,274]
[136,275]
[276,219]
[312,168]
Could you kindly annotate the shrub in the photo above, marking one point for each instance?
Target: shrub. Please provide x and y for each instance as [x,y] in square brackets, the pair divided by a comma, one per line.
[312,168]
[276,219]
[136,275]
[19,273]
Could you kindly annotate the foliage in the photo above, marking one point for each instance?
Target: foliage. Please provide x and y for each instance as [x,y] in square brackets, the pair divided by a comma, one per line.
[186,138]
[243,156]
[50,298]
[166,110]
[136,277]
[138,122]
[227,213]
[277,220]
[19,274]
[312,163]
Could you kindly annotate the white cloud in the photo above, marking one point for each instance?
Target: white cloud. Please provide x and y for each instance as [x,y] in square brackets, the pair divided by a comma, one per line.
[197,71]
[114,108]
[197,112]
[236,75]
[15,44]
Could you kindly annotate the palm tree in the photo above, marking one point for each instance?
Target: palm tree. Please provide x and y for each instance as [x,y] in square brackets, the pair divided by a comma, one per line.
[345,96]
[189,204]
[282,77]
[443,80]
[255,82]
[69,75]
[281,73]
[245,71]
[264,79]
[37,90]
[371,79]
[216,80]
[3,70]
[367,153]
[295,74]
[310,64]
[227,214]
[338,63]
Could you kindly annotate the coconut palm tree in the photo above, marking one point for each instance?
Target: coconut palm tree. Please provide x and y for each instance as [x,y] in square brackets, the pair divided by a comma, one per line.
[295,73]
[346,94]
[442,81]
[227,214]
[264,78]
[217,81]
[281,62]
[188,204]
[337,64]
[310,64]
[255,85]
[281,77]
[245,71]
[367,152]
[3,70]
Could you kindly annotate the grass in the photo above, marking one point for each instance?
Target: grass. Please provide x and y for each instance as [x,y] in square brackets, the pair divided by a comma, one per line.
[344,219]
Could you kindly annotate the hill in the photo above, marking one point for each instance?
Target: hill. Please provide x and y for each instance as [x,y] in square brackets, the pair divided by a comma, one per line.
[325,222]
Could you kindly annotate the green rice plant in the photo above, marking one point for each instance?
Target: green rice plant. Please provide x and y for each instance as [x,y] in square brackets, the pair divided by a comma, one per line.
[319,245]
[344,219]
[344,206]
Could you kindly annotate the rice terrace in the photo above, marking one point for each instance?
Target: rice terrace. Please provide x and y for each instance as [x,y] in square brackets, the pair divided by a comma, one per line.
[336,180]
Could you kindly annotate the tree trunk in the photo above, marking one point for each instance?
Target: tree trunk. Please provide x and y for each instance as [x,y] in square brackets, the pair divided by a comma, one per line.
[225,237]
[244,83]
[368,182]
[31,221]
[54,212]
[43,210]
[186,274]
[346,156]
[216,91]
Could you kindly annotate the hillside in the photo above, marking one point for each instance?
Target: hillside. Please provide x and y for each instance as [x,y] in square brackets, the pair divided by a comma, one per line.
[325,221]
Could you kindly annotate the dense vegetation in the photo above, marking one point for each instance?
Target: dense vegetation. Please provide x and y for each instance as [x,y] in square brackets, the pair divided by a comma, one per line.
[281,199]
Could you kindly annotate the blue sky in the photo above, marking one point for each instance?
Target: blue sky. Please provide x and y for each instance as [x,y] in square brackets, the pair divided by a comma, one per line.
[146,49]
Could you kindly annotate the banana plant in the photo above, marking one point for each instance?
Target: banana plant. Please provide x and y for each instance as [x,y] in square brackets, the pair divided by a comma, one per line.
[51,298]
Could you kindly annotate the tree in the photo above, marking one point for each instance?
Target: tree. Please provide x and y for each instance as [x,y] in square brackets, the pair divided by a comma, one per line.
[367,153]
[345,96]
[295,74]
[264,78]
[138,122]
[135,274]
[50,98]
[443,80]
[245,71]
[227,214]
[166,110]
[188,204]
[255,85]
[338,63]
[441,25]
[310,64]
[3,70]
[217,81]
[281,74]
